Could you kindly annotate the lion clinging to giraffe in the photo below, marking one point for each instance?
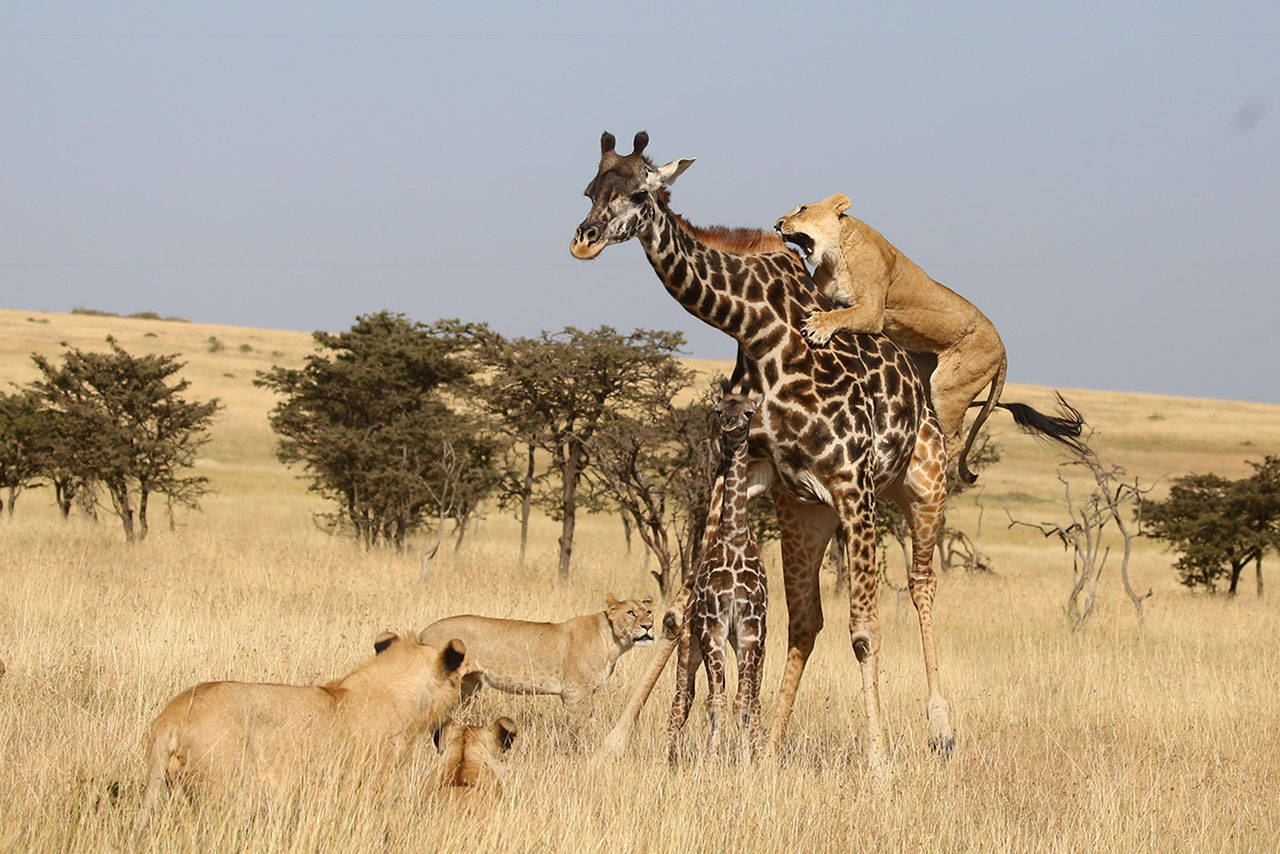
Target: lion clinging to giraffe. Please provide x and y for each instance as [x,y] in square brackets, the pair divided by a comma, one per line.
[882,291]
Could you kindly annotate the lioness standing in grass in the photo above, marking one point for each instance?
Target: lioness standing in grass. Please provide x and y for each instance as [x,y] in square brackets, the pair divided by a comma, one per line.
[218,732]
[572,659]
[886,292]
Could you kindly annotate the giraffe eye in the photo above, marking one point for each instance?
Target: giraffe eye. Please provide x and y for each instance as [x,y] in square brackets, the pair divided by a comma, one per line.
[640,196]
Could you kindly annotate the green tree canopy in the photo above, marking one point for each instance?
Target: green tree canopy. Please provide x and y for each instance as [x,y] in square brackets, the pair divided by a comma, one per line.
[554,392]
[24,441]
[1217,525]
[123,424]
[374,419]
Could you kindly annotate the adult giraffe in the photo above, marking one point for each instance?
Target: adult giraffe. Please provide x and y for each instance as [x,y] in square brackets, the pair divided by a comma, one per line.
[838,425]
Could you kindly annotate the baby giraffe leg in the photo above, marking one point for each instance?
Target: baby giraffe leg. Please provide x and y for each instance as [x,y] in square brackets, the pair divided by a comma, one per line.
[713,658]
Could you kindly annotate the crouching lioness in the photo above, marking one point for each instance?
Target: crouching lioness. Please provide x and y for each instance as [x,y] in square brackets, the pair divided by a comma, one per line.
[220,732]
[471,756]
[572,659]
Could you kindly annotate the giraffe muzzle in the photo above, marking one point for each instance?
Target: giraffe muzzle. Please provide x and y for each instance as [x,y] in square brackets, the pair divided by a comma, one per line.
[587,242]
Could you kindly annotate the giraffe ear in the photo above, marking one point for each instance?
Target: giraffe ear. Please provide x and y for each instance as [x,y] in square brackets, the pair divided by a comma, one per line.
[665,176]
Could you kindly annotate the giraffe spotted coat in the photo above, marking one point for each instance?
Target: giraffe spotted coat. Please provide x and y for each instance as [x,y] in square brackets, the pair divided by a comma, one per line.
[839,424]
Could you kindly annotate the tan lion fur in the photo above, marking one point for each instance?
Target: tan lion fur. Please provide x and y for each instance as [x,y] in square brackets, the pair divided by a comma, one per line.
[219,732]
[471,756]
[887,293]
[572,659]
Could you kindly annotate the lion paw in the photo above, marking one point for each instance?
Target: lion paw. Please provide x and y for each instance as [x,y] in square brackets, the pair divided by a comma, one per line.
[820,327]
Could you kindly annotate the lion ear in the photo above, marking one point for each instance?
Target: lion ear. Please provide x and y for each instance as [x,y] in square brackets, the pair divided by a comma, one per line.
[840,202]
[611,602]
[384,640]
[504,730]
[455,651]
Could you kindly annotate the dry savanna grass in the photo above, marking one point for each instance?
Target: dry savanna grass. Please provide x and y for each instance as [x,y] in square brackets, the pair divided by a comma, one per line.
[1159,736]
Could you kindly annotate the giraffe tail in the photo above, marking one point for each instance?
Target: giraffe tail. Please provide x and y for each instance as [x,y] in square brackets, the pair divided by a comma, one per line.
[993,400]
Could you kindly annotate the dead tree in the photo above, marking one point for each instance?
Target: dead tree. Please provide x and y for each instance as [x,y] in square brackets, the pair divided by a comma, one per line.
[444,495]
[1104,505]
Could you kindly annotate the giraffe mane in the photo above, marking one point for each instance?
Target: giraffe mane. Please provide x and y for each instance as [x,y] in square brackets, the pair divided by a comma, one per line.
[742,241]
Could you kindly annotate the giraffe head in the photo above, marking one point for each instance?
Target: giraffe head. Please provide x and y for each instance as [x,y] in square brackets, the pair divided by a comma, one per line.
[621,195]
[734,410]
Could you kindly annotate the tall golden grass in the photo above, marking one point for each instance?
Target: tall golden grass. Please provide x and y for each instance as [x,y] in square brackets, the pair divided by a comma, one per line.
[1160,735]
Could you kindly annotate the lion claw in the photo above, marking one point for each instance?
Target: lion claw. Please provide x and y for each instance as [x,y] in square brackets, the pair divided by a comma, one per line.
[814,329]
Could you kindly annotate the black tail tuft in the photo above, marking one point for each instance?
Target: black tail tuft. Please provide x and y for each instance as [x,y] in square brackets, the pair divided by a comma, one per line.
[1065,428]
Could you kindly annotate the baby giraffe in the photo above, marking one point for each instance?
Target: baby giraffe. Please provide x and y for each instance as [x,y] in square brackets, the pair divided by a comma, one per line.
[729,594]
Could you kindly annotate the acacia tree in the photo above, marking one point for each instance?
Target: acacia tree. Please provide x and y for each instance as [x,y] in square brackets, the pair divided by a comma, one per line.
[658,464]
[555,391]
[24,428]
[369,417]
[59,466]
[123,423]
[1219,526]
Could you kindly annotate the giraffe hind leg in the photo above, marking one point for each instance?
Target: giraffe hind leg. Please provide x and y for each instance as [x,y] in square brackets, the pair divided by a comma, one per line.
[857,512]
[922,495]
[806,529]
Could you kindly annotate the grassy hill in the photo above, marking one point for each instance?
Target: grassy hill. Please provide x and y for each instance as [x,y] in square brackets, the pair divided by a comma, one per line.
[1159,735]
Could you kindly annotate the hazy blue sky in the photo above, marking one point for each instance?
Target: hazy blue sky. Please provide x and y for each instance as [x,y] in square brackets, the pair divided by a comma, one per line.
[1101,178]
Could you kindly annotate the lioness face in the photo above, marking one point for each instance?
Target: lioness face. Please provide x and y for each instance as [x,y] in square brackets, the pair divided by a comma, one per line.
[632,619]
[814,229]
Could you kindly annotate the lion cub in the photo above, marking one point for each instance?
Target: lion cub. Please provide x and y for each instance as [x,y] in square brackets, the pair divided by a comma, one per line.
[886,292]
[218,730]
[470,756]
[572,659]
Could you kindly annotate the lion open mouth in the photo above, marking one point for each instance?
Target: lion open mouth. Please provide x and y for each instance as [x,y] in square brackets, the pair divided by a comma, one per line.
[801,241]
[645,639]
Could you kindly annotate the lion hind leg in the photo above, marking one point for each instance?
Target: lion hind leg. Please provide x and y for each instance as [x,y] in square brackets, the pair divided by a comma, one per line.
[963,371]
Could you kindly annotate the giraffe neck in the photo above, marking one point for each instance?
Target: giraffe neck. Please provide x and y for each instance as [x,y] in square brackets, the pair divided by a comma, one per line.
[733,514]
[747,295]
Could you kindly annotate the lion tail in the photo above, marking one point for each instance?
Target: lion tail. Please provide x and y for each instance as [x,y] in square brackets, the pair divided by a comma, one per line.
[1065,428]
[162,759]
[993,400]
